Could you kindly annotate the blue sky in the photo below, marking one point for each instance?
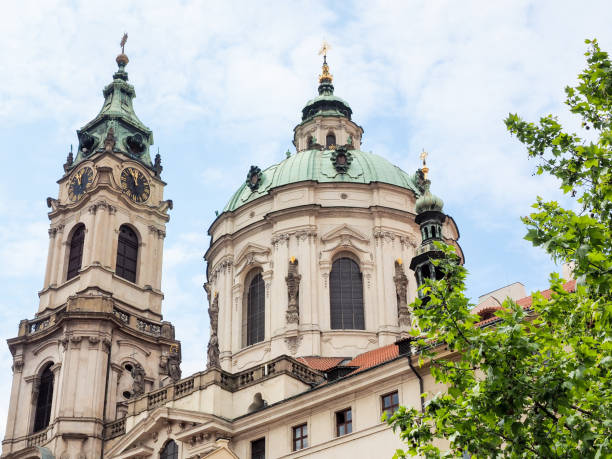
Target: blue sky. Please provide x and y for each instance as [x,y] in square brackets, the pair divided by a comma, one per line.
[222,84]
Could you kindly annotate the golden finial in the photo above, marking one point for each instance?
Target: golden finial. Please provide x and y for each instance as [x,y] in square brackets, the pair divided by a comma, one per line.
[292,260]
[325,75]
[425,169]
[399,261]
[123,42]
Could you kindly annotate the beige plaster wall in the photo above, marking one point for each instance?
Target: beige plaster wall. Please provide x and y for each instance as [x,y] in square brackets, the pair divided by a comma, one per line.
[315,223]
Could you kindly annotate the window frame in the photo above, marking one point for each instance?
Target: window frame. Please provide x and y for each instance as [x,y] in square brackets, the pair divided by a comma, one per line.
[260,332]
[72,271]
[392,405]
[46,376]
[174,455]
[354,306]
[127,244]
[302,438]
[347,425]
[258,452]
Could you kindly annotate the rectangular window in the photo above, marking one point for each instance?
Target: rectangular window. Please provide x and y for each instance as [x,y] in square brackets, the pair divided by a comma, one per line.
[300,437]
[344,422]
[390,403]
[258,449]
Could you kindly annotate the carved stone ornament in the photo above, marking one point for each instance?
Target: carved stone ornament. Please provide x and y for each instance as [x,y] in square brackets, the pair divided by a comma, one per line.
[174,364]
[341,159]
[157,167]
[401,286]
[109,141]
[213,343]
[86,143]
[213,352]
[293,291]
[138,375]
[253,179]
[420,181]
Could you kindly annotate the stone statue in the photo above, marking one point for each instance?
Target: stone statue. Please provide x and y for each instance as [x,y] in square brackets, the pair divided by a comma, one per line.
[213,314]
[213,343]
[258,403]
[138,375]
[401,285]
[157,167]
[213,352]
[174,364]
[293,291]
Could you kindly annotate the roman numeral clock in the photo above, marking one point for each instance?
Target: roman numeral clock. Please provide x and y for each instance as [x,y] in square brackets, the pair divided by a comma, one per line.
[135,185]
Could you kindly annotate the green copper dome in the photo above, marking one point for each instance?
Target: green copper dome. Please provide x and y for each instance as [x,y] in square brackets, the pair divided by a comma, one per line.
[116,128]
[318,166]
[428,201]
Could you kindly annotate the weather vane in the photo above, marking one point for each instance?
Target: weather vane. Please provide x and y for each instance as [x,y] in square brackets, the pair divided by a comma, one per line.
[123,42]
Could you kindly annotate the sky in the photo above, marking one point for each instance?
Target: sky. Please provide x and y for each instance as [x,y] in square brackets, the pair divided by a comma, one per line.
[222,85]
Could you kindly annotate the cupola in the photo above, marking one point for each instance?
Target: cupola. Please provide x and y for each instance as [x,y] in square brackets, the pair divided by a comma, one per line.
[326,119]
[116,129]
[430,219]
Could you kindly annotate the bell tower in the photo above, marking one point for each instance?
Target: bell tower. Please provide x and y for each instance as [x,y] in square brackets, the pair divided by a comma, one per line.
[98,338]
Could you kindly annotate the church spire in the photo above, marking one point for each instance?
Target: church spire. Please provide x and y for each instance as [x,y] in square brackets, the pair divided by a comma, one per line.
[116,129]
[326,88]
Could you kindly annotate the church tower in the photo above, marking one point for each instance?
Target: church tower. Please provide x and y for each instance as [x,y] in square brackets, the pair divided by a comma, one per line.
[98,338]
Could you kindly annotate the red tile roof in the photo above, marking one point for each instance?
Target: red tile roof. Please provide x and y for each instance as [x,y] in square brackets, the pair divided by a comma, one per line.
[391,351]
[374,357]
[321,363]
[526,302]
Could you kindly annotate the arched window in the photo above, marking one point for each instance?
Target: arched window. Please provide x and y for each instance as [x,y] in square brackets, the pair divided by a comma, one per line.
[330,140]
[42,415]
[127,253]
[170,451]
[75,256]
[255,310]
[346,295]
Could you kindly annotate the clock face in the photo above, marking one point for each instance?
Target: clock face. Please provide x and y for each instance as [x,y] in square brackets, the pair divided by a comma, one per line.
[79,183]
[135,184]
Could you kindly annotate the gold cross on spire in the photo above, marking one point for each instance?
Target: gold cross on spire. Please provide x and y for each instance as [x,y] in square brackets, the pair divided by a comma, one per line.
[325,75]
[425,169]
[324,48]
[423,157]
[123,42]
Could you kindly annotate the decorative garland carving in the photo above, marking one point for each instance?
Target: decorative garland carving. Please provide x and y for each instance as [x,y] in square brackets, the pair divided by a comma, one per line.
[293,291]
[401,286]
[341,159]
[253,179]
[225,265]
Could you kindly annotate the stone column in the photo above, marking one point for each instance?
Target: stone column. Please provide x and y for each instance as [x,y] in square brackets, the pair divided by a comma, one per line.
[50,257]
[59,261]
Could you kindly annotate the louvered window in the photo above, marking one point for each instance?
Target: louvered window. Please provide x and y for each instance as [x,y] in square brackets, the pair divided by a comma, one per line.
[127,253]
[346,295]
[256,310]
[75,256]
[44,399]
[170,451]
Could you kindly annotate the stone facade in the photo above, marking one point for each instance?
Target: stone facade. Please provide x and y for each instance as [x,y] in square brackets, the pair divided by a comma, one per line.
[116,388]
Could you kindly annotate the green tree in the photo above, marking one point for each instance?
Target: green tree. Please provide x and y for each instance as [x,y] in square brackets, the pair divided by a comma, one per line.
[537,383]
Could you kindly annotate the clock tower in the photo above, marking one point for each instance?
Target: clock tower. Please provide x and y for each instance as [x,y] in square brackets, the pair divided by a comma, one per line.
[98,338]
